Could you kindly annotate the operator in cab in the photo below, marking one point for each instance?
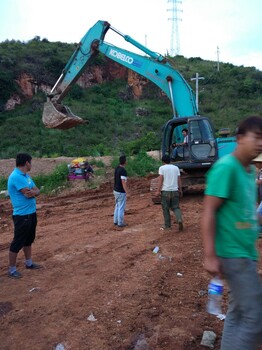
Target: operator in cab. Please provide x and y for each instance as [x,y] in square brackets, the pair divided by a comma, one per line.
[175,146]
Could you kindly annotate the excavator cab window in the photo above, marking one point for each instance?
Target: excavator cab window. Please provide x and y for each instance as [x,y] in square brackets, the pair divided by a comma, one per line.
[202,139]
[179,146]
[201,130]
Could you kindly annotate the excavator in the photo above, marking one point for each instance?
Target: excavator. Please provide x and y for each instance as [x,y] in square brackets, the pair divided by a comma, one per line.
[202,148]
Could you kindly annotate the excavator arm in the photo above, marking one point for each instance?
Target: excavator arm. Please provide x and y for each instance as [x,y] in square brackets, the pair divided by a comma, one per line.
[154,67]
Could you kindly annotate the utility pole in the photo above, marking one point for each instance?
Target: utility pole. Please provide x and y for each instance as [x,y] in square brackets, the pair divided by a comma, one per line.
[174,18]
[196,79]
[217,58]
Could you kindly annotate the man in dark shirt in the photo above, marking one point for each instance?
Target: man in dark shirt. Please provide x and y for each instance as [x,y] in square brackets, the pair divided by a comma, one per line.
[120,192]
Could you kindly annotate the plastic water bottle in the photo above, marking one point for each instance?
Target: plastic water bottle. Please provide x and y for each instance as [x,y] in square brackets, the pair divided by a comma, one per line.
[156,250]
[215,293]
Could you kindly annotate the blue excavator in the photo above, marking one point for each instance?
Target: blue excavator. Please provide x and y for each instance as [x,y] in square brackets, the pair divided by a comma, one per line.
[201,150]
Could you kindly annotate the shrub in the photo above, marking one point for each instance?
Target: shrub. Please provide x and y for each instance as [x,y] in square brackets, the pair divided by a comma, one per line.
[3,183]
[139,165]
[51,182]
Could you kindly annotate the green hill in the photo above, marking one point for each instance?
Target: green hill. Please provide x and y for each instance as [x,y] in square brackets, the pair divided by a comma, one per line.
[115,119]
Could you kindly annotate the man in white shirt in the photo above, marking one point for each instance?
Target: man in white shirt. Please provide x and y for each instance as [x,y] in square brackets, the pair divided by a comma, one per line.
[170,188]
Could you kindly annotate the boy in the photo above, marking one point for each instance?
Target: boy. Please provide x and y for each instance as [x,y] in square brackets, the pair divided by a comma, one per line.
[230,231]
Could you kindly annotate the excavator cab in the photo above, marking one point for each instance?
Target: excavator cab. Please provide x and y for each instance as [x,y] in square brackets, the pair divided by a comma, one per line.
[193,157]
[200,150]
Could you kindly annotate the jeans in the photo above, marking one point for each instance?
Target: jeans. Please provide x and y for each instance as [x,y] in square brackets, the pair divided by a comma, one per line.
[170,200]
[120,205]
[176,150]
[180,151]
[259,208]
[243,323]
[259,213]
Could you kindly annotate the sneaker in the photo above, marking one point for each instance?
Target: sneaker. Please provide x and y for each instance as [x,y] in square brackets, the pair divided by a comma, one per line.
[34,266]
[165,227]
[14,274]
[115,223]
[180,226]
[122,225]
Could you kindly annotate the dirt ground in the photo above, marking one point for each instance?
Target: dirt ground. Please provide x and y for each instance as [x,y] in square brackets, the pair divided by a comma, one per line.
[102,288]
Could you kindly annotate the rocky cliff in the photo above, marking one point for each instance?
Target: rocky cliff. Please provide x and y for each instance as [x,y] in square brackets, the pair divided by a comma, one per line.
[93,75]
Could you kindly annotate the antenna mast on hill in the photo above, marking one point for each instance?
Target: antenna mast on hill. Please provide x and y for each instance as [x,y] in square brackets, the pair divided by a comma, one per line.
[174,30]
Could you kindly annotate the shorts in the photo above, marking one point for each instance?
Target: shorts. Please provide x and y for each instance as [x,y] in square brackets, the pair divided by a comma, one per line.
[24,231]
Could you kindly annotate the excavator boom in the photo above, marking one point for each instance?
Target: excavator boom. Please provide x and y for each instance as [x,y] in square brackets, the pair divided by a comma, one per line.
[154,67]
[55,115]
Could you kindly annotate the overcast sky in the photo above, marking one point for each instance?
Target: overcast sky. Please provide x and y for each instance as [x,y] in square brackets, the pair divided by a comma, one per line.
[228,30]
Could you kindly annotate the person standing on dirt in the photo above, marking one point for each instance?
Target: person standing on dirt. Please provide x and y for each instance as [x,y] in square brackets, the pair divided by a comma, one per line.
[230,232]
[169,186]
[120,192]
[22,191]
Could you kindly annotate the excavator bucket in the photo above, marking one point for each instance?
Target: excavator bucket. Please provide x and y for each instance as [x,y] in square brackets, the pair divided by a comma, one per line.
[57,116]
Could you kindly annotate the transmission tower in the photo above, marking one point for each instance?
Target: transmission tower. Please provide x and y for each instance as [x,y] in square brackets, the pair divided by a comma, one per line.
[174,28]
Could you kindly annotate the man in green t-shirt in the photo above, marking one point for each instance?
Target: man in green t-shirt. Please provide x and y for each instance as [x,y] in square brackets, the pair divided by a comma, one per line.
[230,231]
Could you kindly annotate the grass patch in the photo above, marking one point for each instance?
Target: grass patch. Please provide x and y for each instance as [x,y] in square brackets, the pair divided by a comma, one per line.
[138,165]
[54,181]
[3,183]
[47,183]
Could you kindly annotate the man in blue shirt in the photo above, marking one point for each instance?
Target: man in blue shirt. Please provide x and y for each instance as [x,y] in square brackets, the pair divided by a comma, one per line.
[22,191]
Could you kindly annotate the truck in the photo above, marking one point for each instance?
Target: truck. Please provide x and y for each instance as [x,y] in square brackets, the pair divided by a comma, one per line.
[202,148]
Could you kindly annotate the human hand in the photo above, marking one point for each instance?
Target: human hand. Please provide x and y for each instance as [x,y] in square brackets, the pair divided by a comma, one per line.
[30,193]
[213,266]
